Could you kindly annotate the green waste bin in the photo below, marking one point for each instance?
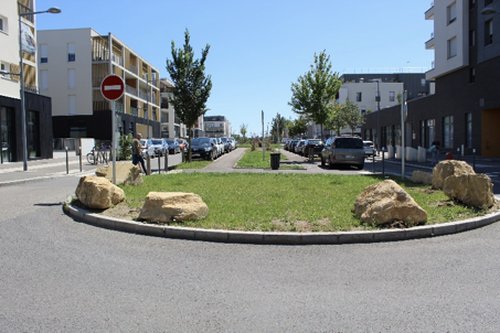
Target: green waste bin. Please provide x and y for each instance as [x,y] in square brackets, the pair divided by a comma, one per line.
[275,161]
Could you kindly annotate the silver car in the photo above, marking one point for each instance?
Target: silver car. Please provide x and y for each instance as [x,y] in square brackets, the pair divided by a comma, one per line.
[343,150]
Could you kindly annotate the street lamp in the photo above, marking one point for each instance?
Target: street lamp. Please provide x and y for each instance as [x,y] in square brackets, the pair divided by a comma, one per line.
[24,134]
[377,99]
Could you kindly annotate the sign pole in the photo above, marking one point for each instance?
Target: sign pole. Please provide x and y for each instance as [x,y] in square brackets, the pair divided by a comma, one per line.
[263,146]
[113,138]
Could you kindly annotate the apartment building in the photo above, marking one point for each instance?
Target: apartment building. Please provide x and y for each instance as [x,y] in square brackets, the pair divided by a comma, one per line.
[72,65]
[171,126]
[37,108]
[464,113]
[217,126]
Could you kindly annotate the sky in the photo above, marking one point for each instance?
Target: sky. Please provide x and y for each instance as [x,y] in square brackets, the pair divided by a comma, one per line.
[258,48]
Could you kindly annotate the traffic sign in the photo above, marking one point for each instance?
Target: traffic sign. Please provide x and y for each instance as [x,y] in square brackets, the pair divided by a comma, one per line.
[112,87]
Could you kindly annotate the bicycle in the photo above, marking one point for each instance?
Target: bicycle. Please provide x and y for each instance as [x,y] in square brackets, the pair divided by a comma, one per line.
[98,155]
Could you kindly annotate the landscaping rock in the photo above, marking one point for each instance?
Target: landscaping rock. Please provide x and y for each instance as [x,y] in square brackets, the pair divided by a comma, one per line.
[421,177]
[164,207]
[388,203]
[447,168]
[98,192]
[126,173]
[473,190]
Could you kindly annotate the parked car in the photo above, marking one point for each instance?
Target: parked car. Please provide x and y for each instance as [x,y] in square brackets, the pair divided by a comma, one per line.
[315,146]
[227,144]
[233,143]
[147,148]
[173,146]
[343,150]
[291,145]
[183,144]
[205,148]
[298,147]
[220,147]
[158,146]
[369,148]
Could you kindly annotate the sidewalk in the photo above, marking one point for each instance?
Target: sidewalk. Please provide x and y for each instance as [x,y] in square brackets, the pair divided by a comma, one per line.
[12,172]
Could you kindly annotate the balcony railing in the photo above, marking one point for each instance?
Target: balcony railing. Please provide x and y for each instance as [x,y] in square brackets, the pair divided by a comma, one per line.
[131,90]
[25,9]
[134,111]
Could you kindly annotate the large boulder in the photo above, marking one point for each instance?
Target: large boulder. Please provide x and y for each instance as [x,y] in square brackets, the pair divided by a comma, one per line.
[164,207]
[421,177]
[388,203]
[447,168]
[472,189]
[98,192]
[126,173]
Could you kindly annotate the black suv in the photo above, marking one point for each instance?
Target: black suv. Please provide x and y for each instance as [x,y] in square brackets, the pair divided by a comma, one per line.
[313,147]
[343,150]
[204,148]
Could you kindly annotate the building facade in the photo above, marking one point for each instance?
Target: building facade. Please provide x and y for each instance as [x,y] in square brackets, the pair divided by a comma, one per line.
[37,107]
[171,126]
[217,126]
[72,65]
[464,113]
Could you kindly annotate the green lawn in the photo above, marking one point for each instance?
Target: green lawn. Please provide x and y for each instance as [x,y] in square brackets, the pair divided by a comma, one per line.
[253,160]
[285,202]
[195,164]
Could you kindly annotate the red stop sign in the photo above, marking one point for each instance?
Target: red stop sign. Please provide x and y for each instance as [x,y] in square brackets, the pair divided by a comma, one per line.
[112,87]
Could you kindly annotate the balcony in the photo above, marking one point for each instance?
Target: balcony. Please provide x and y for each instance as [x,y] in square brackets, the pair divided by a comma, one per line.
[429,45]
[134,111]
[429,14]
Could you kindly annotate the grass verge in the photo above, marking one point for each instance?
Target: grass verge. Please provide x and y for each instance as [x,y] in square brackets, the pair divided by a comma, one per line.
[253,160]
[286,202]
[192,165]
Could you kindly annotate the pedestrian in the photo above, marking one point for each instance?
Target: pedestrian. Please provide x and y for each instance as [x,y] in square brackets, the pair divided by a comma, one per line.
[434,150]
[137,152]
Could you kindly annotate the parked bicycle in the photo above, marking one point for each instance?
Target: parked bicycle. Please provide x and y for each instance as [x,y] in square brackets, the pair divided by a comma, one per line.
[98,155]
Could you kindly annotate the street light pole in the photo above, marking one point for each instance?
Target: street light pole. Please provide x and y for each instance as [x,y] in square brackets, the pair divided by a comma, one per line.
[24,134]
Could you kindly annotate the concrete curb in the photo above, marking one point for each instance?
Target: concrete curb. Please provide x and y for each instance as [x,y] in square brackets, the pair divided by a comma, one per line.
[283,238]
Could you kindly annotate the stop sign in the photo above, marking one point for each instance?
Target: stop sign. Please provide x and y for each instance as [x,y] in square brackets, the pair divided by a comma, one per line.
[112,87]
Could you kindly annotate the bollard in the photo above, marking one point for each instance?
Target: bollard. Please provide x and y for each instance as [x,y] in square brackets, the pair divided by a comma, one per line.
[474,159]
[148,164]
[159,163]
[80,158]
[373,162]
[166,161]
[383,163]
[67,160]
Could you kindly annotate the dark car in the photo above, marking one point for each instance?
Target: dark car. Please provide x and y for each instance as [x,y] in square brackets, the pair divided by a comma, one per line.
[227,144]
[173,146]
[313,147]
[343,150]
[205,148]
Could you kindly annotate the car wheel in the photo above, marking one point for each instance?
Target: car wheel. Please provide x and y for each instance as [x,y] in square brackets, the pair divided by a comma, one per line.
[361,166]
[322,161]
[330,162]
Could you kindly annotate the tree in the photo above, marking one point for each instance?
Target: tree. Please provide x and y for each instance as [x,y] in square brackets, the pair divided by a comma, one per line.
[298,127]
[278,126]
[191,85]
[243,131]
[315,91]
[351,115]
[335,120]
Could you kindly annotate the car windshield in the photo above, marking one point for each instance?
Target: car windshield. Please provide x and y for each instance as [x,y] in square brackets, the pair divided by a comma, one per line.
[170,142]
[367,143]
[351,143]
[314,142]
[200,141]
[156,142]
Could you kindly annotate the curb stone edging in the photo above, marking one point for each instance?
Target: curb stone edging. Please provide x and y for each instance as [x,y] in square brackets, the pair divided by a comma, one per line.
[282,238]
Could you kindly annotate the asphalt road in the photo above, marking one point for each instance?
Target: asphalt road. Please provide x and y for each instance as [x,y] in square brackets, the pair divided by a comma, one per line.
[57,275]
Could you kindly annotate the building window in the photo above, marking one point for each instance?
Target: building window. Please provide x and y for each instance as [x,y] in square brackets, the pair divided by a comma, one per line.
[44,53]
[451,13]
[71,78]
[448,131]
[44,80]
[487,2]
[468,130]
[4,70]
[359,97]
[71,52]
[472,3]
[488,32]
[431,130]
[392,96]
[4,27]
[452,47]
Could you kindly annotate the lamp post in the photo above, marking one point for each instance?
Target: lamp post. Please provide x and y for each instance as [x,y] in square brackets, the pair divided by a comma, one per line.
[24,134]
[377,130]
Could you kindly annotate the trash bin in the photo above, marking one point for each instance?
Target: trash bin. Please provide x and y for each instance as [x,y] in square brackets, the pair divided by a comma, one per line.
[275,161]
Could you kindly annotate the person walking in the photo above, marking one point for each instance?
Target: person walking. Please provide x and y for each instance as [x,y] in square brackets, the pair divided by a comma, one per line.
[434,150]
[137,152]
